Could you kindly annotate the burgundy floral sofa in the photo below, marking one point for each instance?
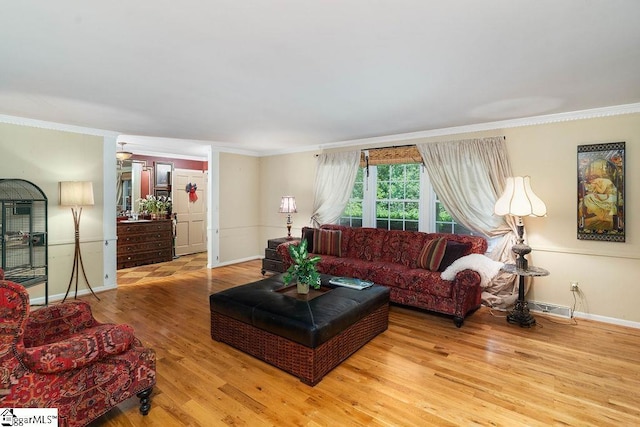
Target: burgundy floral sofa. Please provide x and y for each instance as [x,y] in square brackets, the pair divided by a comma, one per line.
[408,262]
[60,357]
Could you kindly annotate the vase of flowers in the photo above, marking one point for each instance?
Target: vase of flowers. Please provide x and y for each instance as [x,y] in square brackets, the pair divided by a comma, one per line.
[303,270]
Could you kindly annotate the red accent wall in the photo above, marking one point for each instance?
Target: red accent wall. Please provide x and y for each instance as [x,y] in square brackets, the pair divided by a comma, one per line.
[177,163]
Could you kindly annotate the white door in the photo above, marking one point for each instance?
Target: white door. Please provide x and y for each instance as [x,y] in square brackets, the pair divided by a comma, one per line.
[191,227]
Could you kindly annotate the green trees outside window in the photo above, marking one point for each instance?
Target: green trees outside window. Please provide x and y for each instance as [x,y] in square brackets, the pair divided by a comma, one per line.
[396,201]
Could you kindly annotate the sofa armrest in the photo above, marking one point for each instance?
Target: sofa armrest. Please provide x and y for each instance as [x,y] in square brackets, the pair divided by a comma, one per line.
[80,350]
[56,322]
[468,278]
[283,251]
[467,294]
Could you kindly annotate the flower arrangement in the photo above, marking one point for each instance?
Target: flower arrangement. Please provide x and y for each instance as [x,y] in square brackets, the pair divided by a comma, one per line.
[153,204]
[303,268]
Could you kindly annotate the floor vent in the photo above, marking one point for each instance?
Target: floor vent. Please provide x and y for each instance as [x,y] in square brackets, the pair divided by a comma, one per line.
[543,307]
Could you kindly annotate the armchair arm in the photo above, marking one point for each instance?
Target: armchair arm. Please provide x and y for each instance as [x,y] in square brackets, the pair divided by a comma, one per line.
[56,322]
[283,251]
[75,352]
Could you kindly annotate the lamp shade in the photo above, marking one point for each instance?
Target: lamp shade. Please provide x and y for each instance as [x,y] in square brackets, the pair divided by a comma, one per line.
[288,204]
[76,193]
[519,199]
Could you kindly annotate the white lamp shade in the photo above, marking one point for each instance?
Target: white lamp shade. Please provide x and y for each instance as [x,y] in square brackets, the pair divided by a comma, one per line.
[519,199]
[288,204]
[76,193]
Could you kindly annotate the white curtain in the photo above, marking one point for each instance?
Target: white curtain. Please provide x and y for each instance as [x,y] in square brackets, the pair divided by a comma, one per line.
[469,176]
[335,176]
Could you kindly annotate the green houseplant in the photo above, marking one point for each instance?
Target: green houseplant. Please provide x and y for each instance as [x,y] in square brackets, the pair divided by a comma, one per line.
[303,269]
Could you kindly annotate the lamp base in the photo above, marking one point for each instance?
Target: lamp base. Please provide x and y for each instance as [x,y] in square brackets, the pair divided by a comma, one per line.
[78,265]
[521,316]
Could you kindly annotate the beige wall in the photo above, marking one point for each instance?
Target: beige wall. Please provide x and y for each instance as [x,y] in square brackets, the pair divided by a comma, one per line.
[607,272]
[239,208]
[251,188]
[46,157]
[286,175]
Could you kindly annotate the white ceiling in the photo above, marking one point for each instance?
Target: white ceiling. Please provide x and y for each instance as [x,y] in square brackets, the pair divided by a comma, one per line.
[267,75]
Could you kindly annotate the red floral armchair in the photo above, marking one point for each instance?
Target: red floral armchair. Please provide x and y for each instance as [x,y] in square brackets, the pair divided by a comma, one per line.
[61,357]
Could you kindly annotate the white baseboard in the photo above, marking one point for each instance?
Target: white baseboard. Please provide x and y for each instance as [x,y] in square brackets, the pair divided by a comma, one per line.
[605,319]
[72,294]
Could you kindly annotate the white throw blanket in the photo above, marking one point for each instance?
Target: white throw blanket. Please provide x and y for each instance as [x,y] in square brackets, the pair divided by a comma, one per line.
[485,266]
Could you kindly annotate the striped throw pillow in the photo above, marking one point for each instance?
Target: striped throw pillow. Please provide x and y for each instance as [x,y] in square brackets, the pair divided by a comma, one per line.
[327,242]
[432,254]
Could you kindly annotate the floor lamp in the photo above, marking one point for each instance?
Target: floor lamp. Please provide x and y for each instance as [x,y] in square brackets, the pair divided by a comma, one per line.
[77,194]
[519,200]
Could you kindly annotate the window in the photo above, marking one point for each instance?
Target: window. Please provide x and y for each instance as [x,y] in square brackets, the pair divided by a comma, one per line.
[352,215]
[391,197]
[445,222]
[398,197]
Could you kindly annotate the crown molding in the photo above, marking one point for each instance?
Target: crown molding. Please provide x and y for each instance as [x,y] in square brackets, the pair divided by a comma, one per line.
[42,124]
[224,148]
[488,126]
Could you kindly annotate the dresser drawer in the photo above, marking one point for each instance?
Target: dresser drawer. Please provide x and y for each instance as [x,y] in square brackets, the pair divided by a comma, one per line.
[272,265]
[144,258]
[272,254]
[144,246]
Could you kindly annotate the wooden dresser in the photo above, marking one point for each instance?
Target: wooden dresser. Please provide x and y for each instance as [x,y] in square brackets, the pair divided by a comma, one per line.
[144,242]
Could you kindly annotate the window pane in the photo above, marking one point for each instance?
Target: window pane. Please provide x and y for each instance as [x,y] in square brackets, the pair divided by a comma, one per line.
[382,190]
[443,228]
[382,209]
[396,210]
[383,172]
[412,211]
[396,225]
[413,190]
[396,190]
[411,225]
[352,215]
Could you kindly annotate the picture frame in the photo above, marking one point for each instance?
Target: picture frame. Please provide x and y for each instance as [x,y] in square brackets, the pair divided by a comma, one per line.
[162,175]
[162,193]
[601,192]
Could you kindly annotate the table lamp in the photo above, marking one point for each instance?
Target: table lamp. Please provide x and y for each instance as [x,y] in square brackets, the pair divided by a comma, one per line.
[288,206]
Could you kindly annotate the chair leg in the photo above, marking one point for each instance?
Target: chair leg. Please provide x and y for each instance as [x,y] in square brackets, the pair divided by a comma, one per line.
[145,400]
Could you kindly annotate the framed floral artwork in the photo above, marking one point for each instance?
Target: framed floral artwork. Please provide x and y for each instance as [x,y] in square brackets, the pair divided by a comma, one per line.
[601,210]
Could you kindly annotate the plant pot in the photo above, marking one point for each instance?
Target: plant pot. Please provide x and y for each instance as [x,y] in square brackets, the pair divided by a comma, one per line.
[303,288]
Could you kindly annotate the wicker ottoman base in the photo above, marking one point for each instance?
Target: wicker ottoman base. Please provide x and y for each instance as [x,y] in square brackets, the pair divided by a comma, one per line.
[308,364]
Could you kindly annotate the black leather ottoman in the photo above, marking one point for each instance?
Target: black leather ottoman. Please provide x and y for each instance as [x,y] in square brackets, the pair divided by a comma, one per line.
[306,336]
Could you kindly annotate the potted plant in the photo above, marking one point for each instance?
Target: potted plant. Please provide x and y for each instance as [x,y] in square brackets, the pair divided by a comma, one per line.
[303,269]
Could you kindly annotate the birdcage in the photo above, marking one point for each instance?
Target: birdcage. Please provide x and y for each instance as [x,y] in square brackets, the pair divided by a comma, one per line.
[23,232]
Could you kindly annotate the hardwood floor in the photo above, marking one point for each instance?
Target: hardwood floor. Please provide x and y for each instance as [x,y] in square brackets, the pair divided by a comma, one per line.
[421,371]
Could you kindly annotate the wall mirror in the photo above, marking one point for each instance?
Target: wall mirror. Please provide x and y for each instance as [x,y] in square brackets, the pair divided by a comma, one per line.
[133,183]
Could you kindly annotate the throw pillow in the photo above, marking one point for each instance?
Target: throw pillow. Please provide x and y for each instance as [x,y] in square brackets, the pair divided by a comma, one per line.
[307,234]
[327,242]
[454,251]
[432,254]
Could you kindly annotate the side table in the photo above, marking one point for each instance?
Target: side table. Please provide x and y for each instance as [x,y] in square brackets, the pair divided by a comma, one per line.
[272,261]
[520,314]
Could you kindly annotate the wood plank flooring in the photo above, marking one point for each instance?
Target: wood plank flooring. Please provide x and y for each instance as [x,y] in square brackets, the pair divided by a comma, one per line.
[422,371]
